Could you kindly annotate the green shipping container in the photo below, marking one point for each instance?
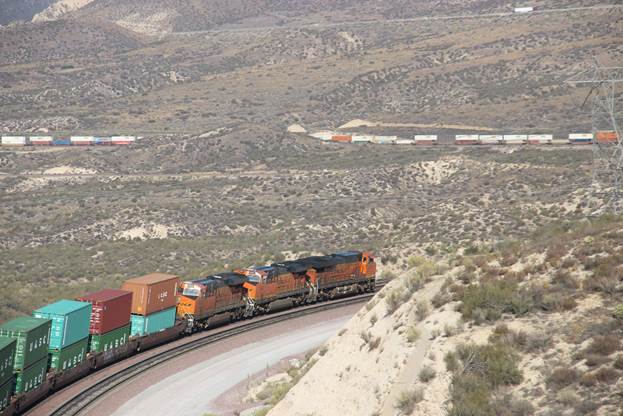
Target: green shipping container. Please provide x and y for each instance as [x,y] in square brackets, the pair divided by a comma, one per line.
[69,357]
[30,378]
[155,322]
[33,337]
[7,355]
[70,322]
[110,340]
[6,391]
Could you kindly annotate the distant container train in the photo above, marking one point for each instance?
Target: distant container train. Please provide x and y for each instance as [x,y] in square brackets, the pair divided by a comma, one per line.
[22,141]
[601,137]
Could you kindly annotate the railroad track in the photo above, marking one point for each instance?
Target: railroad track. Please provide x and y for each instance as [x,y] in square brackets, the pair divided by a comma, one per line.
[88,397]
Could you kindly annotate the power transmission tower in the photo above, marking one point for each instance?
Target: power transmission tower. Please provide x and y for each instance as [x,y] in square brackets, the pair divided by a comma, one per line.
[607,154]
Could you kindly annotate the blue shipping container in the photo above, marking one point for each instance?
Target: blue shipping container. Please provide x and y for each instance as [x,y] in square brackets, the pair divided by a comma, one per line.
[61,142]
[155,322]
[70,321]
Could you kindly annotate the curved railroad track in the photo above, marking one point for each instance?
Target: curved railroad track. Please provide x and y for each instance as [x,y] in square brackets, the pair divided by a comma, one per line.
[88,397]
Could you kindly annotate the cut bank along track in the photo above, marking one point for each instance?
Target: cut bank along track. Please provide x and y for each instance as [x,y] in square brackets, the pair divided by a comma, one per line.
[91,395]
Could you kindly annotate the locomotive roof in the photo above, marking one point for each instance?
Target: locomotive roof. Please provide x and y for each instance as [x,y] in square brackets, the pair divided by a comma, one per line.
[222,279]
[319,262]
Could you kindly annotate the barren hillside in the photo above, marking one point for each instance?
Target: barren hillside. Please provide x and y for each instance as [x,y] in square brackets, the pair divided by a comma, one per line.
[528,327]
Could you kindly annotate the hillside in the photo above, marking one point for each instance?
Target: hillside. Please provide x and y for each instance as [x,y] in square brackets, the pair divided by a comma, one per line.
[531,326]
[96,70]
[21,10]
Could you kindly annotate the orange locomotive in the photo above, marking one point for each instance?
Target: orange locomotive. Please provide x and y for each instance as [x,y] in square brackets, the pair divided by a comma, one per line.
[255,290]
[309,279]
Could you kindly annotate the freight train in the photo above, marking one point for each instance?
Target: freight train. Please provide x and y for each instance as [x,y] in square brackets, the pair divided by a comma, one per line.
[601,137]
[196,305]
[37,141]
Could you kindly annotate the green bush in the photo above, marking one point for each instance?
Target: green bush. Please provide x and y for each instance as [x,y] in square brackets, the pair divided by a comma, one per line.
[408,399]
[489,300]
[484,368]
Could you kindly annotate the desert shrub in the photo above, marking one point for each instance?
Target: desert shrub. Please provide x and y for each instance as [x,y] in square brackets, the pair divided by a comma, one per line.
[594,360]
[605,284]
[606,375]
[604,345]
[395,298]
[618,312]
[586,406]
[452,361]
[413,334]
[467,277]
[489,300]
[427,374]
[588,379]
[388,275]
[441,298]
[414,283]
[562,377]
[496,363]
[408,399]
[618,363]
[557,302]
[564,279]
[422,310]
[470,395]
[568,397]
[503,334]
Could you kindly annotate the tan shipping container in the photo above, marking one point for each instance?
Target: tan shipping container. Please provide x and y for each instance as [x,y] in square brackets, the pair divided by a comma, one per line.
[152,293]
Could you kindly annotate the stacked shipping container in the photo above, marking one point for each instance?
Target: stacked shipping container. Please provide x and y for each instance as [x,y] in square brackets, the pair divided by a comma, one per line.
[154,298]
[30,362]
[110,318]
[69,336]
[7,356]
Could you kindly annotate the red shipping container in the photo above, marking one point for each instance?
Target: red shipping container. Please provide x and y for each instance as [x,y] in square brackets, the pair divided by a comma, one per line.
[111,310]
[152,293]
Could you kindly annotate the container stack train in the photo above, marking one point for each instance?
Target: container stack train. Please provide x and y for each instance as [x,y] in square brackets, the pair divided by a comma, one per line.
[38,141]
[601,137]
[64,341]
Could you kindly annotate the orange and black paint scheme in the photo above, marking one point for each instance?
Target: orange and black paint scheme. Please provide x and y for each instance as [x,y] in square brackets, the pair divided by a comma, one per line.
[247,292]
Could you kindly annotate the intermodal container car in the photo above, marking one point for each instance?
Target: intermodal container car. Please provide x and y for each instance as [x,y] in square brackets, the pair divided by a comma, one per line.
[490,138]
[31,377]
[109,340]
[384,139]
[540,139]
[102,141]
[581,138]
[7,356]
[152,293]
[111,309]
[41,140]
[515,139]
[122,140]
[32,336]
[6,391]
[362,138]
[342,138]
[82,140]
[13,141]
[466,139]
[70,321]
[405,141]
[155,322]
[606,137]
[61,142]
[70,356]
[425,139]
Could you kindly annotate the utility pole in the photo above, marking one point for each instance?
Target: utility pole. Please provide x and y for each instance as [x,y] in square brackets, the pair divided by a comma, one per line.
[607,150]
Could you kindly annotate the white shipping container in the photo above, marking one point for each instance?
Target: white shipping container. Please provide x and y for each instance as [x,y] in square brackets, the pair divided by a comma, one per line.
[490,138]
[560,141]
[466,137]
[360,138]
[82,139]
[524,9]
[123,139]
[384,139]
[13,140]
[581,136]
[425,137]
[515,138]
[404,141]
[42,139]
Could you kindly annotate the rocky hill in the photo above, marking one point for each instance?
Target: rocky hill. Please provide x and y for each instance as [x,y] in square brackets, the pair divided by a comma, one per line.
[532,326]
[21,10]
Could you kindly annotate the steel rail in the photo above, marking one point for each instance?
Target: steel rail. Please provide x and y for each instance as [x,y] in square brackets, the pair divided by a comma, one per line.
[89,396]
